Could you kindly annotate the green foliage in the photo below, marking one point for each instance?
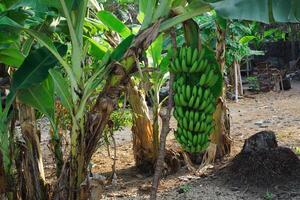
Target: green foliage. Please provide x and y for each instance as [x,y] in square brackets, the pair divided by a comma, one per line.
[266,11]
[114,23]
[40,97]
[184,188]
[121,118]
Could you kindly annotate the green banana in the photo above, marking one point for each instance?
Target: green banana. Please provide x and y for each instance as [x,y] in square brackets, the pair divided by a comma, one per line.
[193,149]
[195,55]
[185,133]
[202,79]
[172,67]
[198,148]
[206,93]
[200,66]
[188,92]
[189,56]
[179,131]
[180,111]
[191,125]
[209,77]
[187,114]
[203,105]
[190,135]
[197,103]
[183,55]
[209,119]
[182,100]
[202,118]
[184,66]
[176,100]
[185,123]
[191,115]
[197,126]
[200,139]
[195,91]
[194,67]
[196,116]
[177,65]
[183,139]
[200,92]
[175,114]
[195,139]
[202,127]
[201,55]
[213,80]
[191,102]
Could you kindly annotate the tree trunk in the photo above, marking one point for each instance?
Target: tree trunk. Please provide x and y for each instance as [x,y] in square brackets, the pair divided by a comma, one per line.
[142,130]
[220,136]
[30,164]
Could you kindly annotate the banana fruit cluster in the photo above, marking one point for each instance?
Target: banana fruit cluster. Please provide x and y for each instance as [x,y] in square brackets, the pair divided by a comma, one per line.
[194,100]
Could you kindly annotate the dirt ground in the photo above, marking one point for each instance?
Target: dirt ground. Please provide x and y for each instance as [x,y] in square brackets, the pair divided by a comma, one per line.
[276,111]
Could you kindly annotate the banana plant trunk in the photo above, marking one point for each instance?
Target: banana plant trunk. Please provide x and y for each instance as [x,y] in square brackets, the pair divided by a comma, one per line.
[30,163]
[142,130]
[220,136]
[75,168]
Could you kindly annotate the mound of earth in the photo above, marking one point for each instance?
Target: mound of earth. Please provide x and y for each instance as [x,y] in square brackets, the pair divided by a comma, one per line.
[263,163]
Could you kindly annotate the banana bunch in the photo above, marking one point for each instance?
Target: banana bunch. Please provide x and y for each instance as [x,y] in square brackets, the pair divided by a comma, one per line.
[193,98]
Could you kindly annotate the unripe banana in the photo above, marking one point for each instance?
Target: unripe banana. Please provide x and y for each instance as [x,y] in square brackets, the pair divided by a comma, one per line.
[198,148]
[209,77]
[191,125]
[180,112]
[183,139]
[195,91]
[197,126]
[203,105]
[193,149]
[176,100]
[184,66]
[206,93]
[202,127]
[185,133]
[185,123]
[183,56]
[202,79]
[200,67]
[179,130]
[177,65]
[200,92]
[195,55]
[201,55]
[197,103]
[213,80]
[191,102]
[189,56]
[172,67]
[188,92]
[190,135]
[191,115]
[196,116]
[187,114]
[194,67]
[195,140]
[182,100]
